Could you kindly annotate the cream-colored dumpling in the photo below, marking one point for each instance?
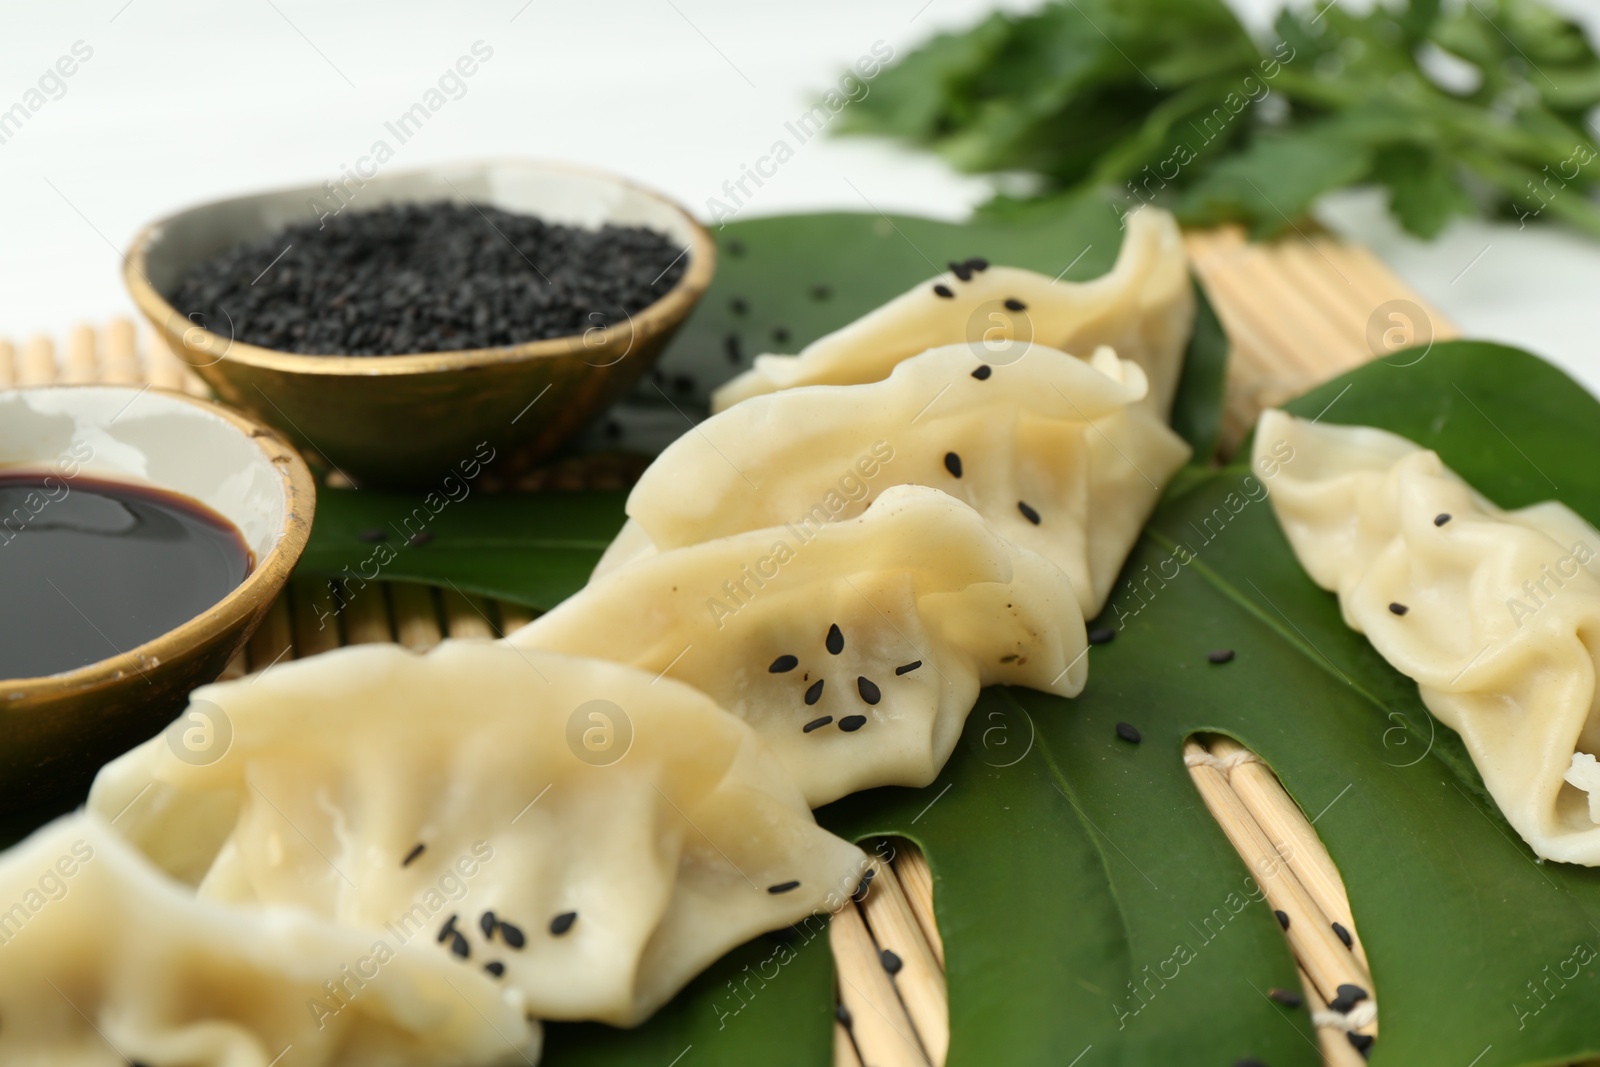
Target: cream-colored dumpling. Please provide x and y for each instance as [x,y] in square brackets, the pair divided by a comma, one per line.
[1055,452]
[105,961]
[1143,308]
[1495,614]
[599,835]
[855,648]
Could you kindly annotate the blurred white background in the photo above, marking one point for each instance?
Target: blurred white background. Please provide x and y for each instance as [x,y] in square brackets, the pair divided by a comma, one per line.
[184,101]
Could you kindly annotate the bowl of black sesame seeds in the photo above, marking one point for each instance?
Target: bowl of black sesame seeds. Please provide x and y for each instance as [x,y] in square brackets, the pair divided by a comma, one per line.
[400,325]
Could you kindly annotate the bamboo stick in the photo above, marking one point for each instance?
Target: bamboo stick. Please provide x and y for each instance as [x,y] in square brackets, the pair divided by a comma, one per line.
[38,366]
[8,364]
[512,616]
[1323,955]
[122,353]
[236,667]
[465,616]
[416,618]
[916,879]
[164,370]
[844,1049]
[920,980]
[316,617]
[1332,1038]
[273,641]
[366,614]
[1281,819]
[878,1021]
[82,365]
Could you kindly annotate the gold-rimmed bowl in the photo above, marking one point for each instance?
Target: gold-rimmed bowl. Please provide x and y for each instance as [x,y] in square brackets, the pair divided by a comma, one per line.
[409,419]
[57,729]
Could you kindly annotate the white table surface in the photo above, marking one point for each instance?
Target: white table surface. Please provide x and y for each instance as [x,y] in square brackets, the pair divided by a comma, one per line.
[185,100]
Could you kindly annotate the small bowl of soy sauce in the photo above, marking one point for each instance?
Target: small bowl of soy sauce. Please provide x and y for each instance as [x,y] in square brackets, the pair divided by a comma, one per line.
[143,535]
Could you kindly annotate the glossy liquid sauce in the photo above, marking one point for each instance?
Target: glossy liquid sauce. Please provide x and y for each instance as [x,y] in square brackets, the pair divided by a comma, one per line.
[90,568]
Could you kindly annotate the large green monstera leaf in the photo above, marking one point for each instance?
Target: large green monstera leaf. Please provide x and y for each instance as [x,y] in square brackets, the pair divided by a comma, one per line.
[1089,905]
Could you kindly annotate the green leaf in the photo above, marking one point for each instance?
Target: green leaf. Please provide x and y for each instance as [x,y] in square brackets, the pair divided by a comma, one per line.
[1273,182]
[769,1001]
[1424,192]
[533,549]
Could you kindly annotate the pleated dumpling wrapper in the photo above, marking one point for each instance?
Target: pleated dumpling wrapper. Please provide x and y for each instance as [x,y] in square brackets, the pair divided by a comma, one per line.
[106,961]
[1144,308]
[1054,451]
[856,649]
[1494,613]
[585,834]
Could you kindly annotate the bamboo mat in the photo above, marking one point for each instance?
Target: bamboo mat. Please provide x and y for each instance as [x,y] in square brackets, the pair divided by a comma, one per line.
[1297,312]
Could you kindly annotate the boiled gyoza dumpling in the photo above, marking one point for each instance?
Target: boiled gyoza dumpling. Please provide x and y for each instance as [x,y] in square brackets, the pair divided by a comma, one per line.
[856,648]
[1143,308]
[585,834]
[1052,450]
[106,961]
[1492,612]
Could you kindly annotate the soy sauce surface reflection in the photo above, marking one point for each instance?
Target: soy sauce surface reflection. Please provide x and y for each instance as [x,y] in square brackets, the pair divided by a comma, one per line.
[90,568]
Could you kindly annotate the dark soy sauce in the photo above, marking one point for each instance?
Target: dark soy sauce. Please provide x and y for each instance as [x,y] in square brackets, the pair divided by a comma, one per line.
[90,568]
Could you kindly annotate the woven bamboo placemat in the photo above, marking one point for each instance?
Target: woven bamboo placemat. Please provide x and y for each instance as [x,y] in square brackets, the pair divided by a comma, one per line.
[1297,311]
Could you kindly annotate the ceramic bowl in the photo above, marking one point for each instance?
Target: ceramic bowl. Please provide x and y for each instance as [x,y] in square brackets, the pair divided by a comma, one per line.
[56,730]
[408,419]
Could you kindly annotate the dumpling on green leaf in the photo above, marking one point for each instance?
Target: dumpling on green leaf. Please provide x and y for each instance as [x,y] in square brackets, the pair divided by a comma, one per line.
[1495,614]
[1054,451]
[586,836]
[1144,308]
[855,648]
[105,961]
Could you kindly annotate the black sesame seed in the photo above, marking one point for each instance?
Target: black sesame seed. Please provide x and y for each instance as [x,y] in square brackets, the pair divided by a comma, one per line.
[944,291]
[448,928]
[1128,732]
[1283,918]
[960,270]
[1028,512]
[891,962]
[459,946]
[732,346]
[782,887]
[783,664]
[1441,518]
[416,850]
[865,885]
[1221,655]
[907,668]
[512,934]
[780,335]
[736,247]
[978,263]
[738,306]
[421,537]
[1343,935]
[835,641]
[821,292]
[1013,304]
[952,463]
[495,967]
[1287,997]
[374,535]
[842,1013]
[1102,635]
[1347,996]
[869,690]
[814,694]
[563,922]
[1362,1043]
[1399,609]
[816,724]
[851,723]
[487,923]
[983,372]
